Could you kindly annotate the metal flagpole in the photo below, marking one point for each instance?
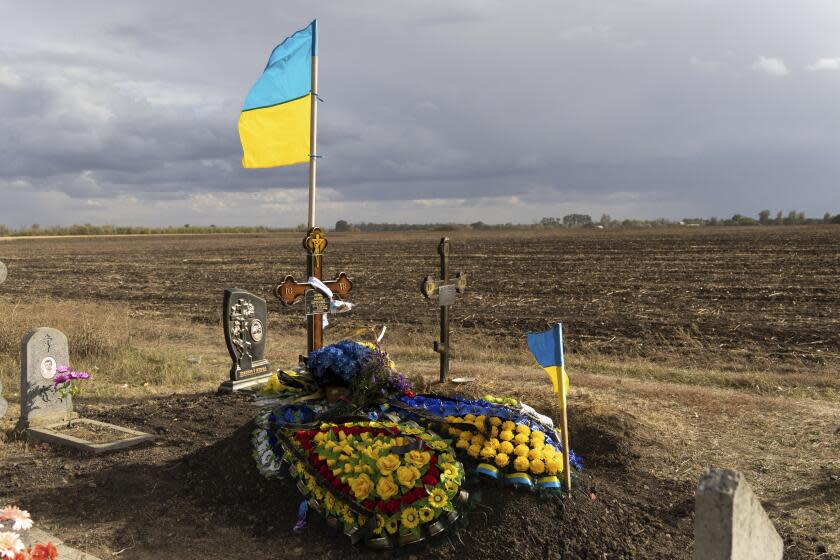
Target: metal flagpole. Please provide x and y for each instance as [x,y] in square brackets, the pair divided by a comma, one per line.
[564,426]
[313,134]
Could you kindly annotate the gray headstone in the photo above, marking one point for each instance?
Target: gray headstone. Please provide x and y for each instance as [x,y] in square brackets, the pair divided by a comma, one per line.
[730,523]
[41,352]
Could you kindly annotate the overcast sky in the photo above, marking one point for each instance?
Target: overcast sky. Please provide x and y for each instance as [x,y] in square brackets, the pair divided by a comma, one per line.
[435,110]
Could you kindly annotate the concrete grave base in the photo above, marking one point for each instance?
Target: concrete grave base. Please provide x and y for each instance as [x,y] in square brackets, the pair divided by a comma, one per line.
[65,552]
[50,434]
[247,384]
[730,523]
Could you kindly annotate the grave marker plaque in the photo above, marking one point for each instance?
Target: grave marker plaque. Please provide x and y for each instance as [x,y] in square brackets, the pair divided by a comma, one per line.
[244,320]
[445,291]
[316,303]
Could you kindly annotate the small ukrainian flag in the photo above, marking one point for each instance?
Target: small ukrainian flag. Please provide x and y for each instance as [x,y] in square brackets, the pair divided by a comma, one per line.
[547,348]
[275,123]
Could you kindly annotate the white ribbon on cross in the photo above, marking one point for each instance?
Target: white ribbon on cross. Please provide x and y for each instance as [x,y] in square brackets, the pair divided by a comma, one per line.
[336,305]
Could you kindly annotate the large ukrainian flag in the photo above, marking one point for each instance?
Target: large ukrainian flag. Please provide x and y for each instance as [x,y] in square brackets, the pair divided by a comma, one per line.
[275,124]
[547,348]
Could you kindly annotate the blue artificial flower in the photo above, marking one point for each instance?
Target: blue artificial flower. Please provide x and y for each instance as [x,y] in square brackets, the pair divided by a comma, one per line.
[338,363]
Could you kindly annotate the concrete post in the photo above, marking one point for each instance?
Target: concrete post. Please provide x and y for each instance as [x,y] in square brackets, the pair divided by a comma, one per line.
[730,523]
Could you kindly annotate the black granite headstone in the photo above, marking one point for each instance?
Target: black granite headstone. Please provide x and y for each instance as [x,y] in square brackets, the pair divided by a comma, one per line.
[245,325]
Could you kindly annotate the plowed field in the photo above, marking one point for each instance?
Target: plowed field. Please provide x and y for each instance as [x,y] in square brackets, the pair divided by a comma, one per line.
[728,297]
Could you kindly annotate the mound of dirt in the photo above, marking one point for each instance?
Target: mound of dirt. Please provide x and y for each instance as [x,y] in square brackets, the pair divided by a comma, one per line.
[197,494]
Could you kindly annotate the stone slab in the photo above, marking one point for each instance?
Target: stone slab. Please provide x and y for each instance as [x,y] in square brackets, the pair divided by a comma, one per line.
[65,552]
[730,522]
[49,434]
[247,384]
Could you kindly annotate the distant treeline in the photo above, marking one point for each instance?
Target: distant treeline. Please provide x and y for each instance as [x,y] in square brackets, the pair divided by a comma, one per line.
[764,218]
[585,220]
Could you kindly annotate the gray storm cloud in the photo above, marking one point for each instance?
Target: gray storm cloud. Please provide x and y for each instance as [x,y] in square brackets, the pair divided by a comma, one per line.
[490,110]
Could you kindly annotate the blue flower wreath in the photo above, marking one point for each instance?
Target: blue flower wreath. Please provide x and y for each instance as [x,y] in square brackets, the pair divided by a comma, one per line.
[338,363]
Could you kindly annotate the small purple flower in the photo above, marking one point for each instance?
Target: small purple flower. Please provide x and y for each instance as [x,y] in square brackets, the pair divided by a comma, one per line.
[65,374]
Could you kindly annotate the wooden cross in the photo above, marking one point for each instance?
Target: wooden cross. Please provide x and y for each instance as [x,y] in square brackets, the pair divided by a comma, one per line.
[289,291]
[445,292]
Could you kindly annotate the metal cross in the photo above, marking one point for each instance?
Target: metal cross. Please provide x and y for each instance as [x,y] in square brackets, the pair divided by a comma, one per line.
[445,292]
[289,291]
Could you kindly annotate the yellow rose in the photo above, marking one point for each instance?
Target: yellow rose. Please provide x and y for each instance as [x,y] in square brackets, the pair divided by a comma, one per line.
[537,436]
[388,464]
[521,450]
[494,432]
[519,439]
[521,464]
[494,443]
[523,429]
[474,450]
[506,447]
[487,452]
[451,486]
[502,460]
[408,476]
[386,487]
[495,421]
[469,418]
[506,435]
[462,444]
[418,458]
[477,439]
[448,471]
[466,434]
[362,486]
[537,466]
[549,451]
[509,426]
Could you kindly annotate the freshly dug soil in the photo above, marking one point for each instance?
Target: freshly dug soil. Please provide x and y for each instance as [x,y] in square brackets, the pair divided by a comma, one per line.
[195,493]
